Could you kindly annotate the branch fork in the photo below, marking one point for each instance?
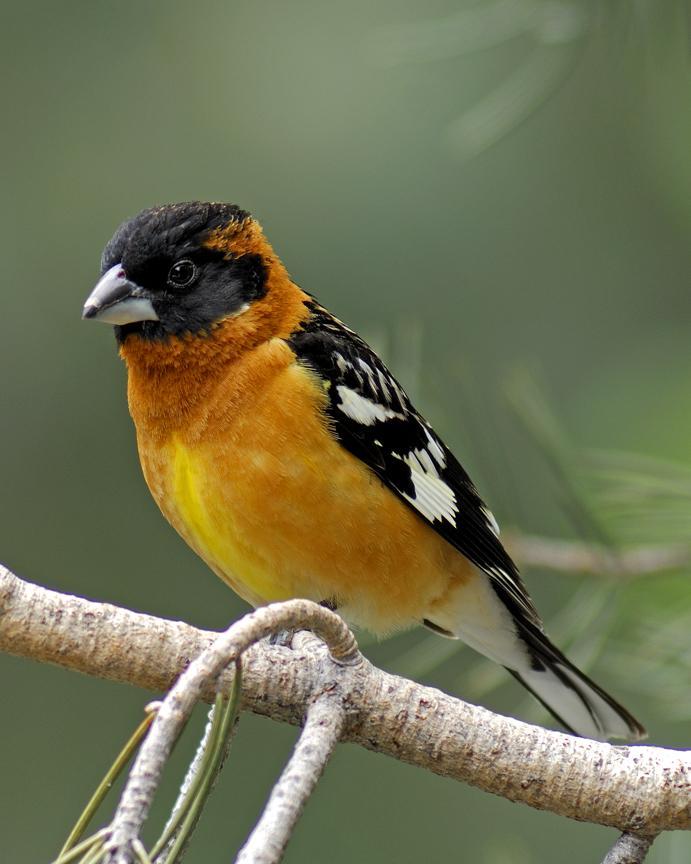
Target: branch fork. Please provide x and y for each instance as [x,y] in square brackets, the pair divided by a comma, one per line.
[323,727]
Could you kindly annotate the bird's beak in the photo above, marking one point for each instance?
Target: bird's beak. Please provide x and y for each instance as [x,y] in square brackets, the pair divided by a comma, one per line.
[116,300]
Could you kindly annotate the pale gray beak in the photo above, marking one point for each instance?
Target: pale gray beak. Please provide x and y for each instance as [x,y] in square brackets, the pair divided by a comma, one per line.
[116,300]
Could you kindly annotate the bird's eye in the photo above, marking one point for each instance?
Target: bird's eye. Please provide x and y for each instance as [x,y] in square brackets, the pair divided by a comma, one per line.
[182,273]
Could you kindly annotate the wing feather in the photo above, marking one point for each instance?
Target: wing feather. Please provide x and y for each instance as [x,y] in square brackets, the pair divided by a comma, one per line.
[375,420]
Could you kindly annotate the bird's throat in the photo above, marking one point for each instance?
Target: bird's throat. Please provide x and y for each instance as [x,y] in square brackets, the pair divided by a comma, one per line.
[172,382]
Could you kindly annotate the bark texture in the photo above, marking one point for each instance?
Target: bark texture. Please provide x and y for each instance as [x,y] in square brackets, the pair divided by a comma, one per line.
[640,789]
[323,727]
[629,849]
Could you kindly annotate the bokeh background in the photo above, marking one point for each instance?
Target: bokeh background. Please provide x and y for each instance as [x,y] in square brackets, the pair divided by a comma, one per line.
[498,195]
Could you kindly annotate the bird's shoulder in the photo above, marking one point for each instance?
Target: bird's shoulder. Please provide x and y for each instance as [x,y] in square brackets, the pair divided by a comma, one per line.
[373,418]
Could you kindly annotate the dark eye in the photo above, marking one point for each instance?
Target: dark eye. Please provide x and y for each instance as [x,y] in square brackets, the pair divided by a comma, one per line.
[182,273]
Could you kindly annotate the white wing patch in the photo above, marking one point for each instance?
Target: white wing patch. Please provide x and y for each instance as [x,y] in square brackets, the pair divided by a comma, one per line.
[341,362]
[364,410]
[433,498]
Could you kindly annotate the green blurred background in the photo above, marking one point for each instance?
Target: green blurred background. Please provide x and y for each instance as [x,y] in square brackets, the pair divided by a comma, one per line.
[497,194]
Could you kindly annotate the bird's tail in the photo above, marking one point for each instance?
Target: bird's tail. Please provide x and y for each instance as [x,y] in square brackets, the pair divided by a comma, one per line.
[510,637]
[577,702]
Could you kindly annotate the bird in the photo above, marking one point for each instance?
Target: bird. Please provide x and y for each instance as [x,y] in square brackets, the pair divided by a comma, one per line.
[285,453]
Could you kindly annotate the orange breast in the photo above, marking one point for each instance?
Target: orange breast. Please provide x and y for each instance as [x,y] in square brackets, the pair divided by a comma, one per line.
[278,508]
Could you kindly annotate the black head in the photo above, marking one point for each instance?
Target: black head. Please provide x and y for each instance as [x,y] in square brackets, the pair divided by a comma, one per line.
[178,269]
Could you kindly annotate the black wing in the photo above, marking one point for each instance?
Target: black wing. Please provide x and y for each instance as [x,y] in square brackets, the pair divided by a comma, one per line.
[374,419]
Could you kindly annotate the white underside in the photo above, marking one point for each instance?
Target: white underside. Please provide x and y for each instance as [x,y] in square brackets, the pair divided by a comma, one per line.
[480,619]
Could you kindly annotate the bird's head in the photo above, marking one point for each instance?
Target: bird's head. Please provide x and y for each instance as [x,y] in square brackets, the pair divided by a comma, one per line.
[181,269]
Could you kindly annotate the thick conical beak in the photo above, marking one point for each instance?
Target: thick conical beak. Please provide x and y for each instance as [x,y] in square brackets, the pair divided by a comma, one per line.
[116,300]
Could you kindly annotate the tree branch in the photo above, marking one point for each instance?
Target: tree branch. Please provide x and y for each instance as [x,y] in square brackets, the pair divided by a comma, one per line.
[629,849]
[571,556]
[323,728]
[643,790]
[177,706]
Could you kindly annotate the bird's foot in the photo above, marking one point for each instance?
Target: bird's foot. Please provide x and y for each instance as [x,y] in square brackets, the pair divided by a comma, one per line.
[282,638]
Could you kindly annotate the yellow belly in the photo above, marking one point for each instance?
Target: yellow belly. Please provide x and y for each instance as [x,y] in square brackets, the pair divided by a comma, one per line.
[201,515]
[279,509]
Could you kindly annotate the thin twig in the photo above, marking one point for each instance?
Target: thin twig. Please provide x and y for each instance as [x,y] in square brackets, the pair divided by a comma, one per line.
[323,728]
[191,777]
[80,849]
[569,556]
[111,776]
[140,852]
[178,704]
[178,832]
[629,849]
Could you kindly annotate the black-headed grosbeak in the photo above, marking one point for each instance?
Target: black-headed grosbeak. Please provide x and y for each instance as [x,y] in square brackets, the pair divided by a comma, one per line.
[284,452]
